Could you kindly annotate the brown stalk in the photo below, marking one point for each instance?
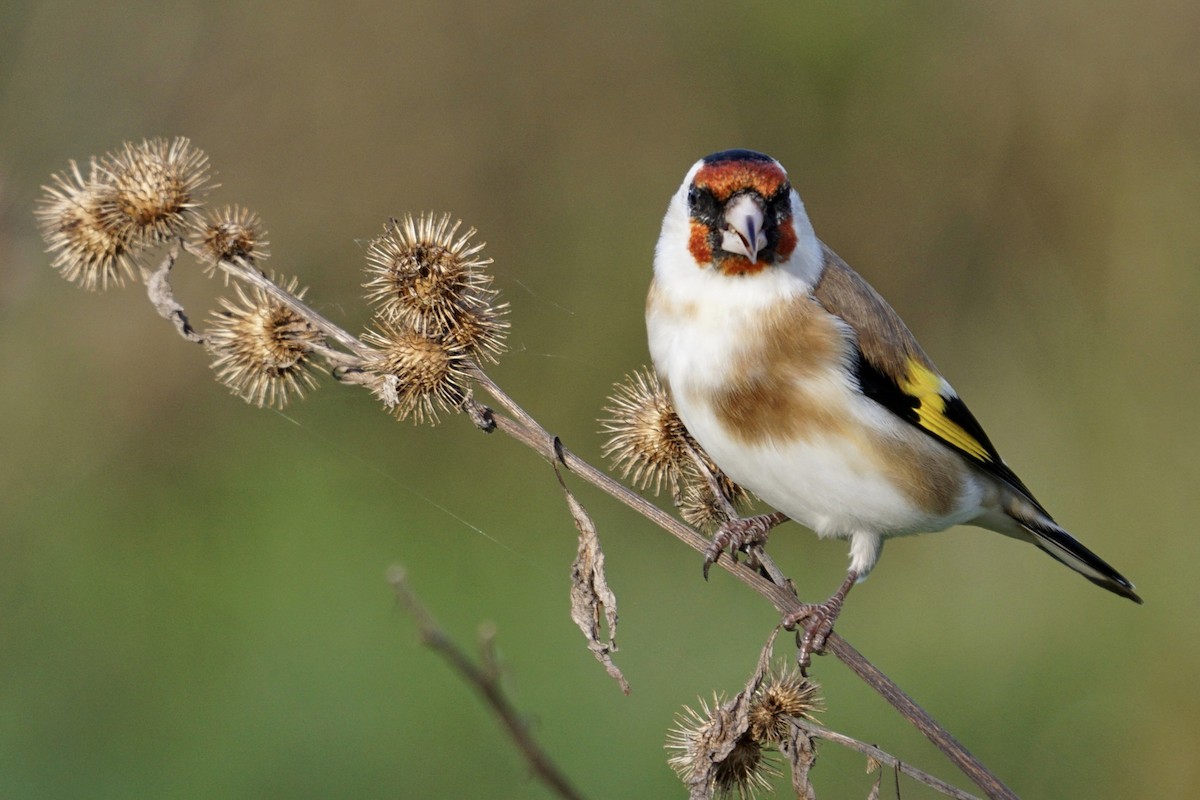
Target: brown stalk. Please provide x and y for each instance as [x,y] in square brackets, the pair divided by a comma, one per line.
[485,679]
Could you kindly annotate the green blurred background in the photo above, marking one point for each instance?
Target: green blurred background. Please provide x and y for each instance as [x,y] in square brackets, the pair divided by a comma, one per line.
[192,591]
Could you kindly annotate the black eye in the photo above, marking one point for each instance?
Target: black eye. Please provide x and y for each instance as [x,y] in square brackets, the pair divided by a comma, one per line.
[780,204]
[702,205]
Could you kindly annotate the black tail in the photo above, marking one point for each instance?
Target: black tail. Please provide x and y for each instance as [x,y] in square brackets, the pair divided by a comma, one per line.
[1064,548]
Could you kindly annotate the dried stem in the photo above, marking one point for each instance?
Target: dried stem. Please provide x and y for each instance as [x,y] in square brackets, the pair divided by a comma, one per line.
[244,272]
[158,289]
[525,429]
[884,758]
[485,678]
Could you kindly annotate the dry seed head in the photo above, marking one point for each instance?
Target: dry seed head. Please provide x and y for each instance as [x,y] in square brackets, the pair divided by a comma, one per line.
[157,186]
[647,440]
[423,274]
[733,492]
[481,331]
[697,738]
[231,234]
[262,349]
[72,215]
[699,506]
[418,374]
[782,696]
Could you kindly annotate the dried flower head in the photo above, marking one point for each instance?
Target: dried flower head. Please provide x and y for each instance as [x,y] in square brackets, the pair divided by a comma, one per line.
[72,215]
[262,349]
[231,234]
[423,274]
[783,695]
[704,755]
[418,374]
[156,187]
[699,505]
[647,441]
[481,331]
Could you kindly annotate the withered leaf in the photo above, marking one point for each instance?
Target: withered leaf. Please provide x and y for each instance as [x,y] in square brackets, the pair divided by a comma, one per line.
[591,597]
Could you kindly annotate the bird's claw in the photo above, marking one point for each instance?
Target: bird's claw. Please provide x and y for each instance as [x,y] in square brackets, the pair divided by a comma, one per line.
[818,619]
[739,534]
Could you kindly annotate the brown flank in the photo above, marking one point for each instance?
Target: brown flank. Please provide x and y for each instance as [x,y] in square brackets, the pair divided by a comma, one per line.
[777,393]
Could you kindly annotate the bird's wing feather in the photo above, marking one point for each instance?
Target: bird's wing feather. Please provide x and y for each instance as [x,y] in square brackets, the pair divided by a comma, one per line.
[894,371]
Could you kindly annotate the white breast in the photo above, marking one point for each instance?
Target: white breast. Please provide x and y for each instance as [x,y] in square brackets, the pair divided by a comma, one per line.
[829,483]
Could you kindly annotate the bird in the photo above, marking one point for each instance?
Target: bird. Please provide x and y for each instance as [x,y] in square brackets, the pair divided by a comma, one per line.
[804,386]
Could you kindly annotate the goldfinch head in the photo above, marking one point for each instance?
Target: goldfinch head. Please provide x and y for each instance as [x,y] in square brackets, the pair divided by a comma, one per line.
[741,215]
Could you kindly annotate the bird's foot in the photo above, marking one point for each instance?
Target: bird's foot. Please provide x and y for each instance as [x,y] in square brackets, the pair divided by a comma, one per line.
[740,534]
[818,619]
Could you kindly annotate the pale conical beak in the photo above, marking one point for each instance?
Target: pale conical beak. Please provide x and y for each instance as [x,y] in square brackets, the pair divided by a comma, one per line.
[743,232]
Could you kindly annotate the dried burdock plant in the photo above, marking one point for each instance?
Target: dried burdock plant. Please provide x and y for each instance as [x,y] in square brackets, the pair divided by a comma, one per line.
[262,349]
[132,199]
[713,753]
[784,696]
[651,447]
[230,234]
[74,217]
[701,505]
[437,311]
[727,748]
[424,275]
[156,187]
[437,317]
[416,375]
[647,441]
[480,332]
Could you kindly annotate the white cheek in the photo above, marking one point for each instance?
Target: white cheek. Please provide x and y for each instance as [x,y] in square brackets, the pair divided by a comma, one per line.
[808,259]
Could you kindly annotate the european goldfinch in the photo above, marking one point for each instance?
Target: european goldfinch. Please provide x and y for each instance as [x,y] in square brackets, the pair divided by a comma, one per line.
[804,386]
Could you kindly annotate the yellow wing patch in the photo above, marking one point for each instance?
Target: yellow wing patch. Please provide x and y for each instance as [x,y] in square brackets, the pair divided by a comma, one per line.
[925,386]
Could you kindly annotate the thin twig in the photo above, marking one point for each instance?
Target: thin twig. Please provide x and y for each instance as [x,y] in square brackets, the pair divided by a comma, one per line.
[882,757]
[250,275]
[336,358]
[511,406]
[908,708]
[485,680]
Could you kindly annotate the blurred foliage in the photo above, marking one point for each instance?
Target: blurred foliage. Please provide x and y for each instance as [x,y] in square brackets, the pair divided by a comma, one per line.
[192,593]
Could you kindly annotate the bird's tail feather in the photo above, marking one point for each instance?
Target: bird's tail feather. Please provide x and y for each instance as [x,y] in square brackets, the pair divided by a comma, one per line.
[1065,548]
